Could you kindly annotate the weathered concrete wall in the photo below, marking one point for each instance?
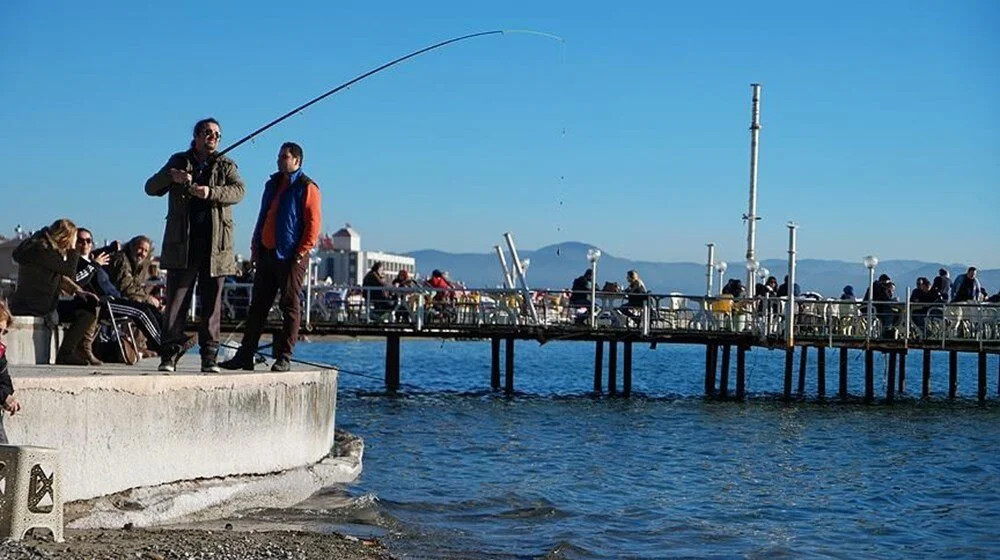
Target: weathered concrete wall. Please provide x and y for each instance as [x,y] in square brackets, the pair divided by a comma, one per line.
[31,342]
[120,429]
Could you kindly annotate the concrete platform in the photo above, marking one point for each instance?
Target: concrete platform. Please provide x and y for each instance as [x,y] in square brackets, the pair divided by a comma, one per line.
[122,427]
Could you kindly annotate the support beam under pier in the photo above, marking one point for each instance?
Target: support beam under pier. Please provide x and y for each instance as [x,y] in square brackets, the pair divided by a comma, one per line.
[509,363]
[598,366]
[869,376]
[392,362]
[612,368]
[627,369]
[741,372]
[495,363]
[821,372]
[843,374]
[724,373]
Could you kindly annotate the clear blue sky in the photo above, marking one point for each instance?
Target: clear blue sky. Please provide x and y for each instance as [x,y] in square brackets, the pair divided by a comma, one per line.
[880,120]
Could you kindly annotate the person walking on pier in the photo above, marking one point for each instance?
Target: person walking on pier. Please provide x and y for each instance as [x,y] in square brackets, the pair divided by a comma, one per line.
[197,240]
[288,225]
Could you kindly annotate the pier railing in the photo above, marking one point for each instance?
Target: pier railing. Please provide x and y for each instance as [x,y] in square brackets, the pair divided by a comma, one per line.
[815,321]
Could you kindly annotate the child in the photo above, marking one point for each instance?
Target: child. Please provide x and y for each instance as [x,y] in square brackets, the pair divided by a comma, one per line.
[7,400]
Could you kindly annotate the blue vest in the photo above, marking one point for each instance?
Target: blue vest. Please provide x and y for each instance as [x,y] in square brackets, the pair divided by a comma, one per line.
[288,219]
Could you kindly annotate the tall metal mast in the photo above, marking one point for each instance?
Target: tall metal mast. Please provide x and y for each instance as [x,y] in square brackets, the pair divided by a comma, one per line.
[751,215]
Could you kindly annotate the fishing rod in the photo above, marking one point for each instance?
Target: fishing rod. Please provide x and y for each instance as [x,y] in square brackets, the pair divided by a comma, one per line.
[376,71]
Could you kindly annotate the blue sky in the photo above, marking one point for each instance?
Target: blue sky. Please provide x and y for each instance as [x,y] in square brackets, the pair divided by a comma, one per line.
[880,120]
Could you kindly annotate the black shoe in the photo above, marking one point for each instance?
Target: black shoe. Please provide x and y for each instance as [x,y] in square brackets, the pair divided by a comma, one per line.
[209,365]
[238,362]
[281,364]
[168,362]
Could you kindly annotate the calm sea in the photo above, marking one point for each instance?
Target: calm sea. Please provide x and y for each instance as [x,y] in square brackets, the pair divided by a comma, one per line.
[452,470]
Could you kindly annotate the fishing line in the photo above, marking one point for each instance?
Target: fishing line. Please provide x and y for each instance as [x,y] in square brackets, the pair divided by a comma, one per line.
[360,77]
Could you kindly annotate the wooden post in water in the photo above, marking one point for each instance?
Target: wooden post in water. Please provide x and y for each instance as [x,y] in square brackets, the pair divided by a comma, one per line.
[902,372]
[709,369]
[741,372]
[982,376]
[495,363]
[724,373]
[803,362]
[925,390]
[869,376]
[821,371]
[627,369]
[392,362]
[598,365]
[612,367]
[789,356]
[890,385]
[843,374]
[509,363]
[952,374]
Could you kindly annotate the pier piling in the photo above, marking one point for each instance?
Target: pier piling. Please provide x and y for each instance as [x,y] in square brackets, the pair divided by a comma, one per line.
[789,356]
[869,376]
[821,372]
[803,362]
[392,362]
[598,365]
[724,373]
[741,372]
[627,369]
[925,390]
[890,385]
[495,363]
[843,374]
[982,377]
[509,363]
[709,370]
[952,374]
[612,368]
[902,372]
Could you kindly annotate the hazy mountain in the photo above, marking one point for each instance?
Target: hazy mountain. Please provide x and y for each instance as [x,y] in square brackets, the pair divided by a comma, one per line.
[555,266]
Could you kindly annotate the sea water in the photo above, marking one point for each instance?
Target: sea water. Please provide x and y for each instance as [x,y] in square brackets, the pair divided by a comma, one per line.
[454,470]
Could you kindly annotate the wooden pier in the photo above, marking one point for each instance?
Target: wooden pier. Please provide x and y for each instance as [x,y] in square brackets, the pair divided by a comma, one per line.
[817,330]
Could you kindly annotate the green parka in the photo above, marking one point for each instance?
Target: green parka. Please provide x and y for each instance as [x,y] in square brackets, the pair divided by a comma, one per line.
[226,189]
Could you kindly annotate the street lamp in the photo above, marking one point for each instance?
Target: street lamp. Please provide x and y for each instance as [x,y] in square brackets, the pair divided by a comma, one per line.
[752,267]
[525,263]
[593,255]
[870,263]
[721,267]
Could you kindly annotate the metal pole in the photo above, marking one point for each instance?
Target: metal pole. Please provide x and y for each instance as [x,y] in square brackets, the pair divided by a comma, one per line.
[309,276]
[790,308]
[508,282]
[871,299]
[751,216]
[593,294]
[710,272]
[520,276]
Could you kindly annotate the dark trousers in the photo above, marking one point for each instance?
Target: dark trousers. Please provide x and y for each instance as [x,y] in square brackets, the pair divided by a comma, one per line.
[145,316]
[274,277]
[180,289]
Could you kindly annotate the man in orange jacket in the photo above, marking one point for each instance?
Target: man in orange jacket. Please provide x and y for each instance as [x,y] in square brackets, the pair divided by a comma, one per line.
[287,228]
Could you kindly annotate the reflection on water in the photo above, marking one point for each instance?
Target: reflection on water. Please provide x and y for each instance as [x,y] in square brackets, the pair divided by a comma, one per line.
[454,471]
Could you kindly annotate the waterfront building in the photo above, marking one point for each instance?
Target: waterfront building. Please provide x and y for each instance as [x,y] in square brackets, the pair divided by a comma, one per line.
[344,262]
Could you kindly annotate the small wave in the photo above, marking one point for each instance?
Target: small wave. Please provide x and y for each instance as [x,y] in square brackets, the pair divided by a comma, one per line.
[566,549]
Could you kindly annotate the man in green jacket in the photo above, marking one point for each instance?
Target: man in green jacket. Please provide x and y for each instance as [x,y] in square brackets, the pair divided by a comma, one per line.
[197,241]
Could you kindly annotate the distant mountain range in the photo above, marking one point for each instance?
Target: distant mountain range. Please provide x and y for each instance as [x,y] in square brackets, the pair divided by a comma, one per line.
[555,267]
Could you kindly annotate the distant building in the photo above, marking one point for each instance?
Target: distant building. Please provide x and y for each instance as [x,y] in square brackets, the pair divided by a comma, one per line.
[345,264]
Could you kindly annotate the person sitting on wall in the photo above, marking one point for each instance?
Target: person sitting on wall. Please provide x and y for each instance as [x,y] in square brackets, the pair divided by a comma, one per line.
[46,265]
[7,400]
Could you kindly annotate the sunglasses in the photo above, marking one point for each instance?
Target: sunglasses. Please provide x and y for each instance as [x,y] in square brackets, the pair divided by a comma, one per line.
[209,133]
[86,240]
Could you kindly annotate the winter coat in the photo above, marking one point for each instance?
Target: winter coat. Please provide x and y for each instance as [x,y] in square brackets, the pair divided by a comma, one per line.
[128,276]
[226,189]
[42,271]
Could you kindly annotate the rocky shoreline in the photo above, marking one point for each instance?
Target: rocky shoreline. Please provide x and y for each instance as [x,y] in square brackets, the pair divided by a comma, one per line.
[193,544]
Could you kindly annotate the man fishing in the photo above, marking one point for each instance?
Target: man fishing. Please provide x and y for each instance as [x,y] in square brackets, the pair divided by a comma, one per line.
[197,241]
[288,226]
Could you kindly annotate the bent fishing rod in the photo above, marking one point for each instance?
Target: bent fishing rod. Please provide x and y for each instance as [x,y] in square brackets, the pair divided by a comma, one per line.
[376,71]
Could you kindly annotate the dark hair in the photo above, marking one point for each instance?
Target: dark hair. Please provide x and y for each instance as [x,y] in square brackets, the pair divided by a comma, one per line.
[923,280]
[80,230]
[294,149]
[972,269]
[200,125]
[942,272]
[377,266]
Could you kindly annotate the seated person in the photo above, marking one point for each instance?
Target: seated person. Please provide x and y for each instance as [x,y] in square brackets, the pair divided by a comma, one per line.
[921,299]
[580,292]
[443,296]
[886,308]
[403,280]
[129,270]
[635,296]
[47,262]
[7,400]
[374,289]
[734,288]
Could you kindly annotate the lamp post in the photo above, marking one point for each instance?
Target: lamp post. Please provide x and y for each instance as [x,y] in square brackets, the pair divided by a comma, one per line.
[708,269]
[721,267]
[870,263]
[593,255]
[752,267]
